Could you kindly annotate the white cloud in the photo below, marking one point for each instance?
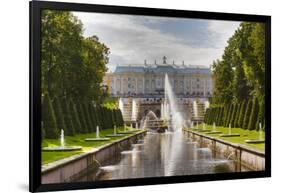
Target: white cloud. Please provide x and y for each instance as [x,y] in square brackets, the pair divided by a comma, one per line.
[131,40]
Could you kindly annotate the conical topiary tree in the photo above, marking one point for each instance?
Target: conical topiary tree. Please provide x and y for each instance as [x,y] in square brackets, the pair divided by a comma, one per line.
[229,115]
[67,118]
[59,114]
[92,116]
[74,116]
[260,118]
[205,116]
[48,118]
[225,115]
[247,114]
[81,116]
[235,122]
[231,121]
[120,117]
[241,114]
[87,118]
[254,115]
[43,133]
[99,118]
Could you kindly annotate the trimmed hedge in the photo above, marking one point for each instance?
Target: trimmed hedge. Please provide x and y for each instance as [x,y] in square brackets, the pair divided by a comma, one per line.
[246,115]
[75,117]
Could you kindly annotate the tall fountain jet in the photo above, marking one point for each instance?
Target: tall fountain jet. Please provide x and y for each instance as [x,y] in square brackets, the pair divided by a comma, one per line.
[171,110]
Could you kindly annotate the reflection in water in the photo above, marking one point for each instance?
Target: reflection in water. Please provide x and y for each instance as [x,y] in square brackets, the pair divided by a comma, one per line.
[162,155]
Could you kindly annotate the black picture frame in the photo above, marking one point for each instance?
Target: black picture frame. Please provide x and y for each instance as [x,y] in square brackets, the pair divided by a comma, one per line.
[35,96]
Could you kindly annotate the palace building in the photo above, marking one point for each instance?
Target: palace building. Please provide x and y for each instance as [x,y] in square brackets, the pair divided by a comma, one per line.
[144,84]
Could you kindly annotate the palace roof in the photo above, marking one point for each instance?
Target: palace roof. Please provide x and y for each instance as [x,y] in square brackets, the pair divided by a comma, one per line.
[163,68]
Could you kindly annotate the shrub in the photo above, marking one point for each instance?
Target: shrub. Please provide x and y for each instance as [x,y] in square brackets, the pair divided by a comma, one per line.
[48,118]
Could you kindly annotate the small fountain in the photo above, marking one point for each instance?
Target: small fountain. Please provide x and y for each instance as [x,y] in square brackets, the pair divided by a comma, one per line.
[62,146]
[230,134]
[204,129]
[125,131]
[115,134]
[214,130]
[97,138]
[260,139]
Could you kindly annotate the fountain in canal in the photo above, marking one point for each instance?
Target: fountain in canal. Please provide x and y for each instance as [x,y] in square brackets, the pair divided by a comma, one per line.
[171,110]
[62,146]
[166,154]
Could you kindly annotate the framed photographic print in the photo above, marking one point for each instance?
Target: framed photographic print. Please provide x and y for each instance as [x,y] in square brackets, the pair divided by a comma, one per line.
[125,96]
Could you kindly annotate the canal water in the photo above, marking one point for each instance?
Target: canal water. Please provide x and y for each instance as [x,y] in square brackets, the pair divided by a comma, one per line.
[162,154]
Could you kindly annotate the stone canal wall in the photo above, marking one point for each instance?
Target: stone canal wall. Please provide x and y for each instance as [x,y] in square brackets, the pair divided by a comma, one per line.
[243,156]
[69,169]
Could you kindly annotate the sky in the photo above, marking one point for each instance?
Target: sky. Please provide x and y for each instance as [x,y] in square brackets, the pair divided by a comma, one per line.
[133,39]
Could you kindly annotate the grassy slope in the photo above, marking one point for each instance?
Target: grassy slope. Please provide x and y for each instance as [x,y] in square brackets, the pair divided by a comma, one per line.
[77,140]
[244,134]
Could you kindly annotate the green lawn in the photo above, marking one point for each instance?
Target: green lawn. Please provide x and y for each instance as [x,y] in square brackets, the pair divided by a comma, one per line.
[244,134]
[77,140]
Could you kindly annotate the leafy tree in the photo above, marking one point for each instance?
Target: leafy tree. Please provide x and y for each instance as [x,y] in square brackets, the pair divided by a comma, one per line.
[222,76]
[72,66]
[48,118]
